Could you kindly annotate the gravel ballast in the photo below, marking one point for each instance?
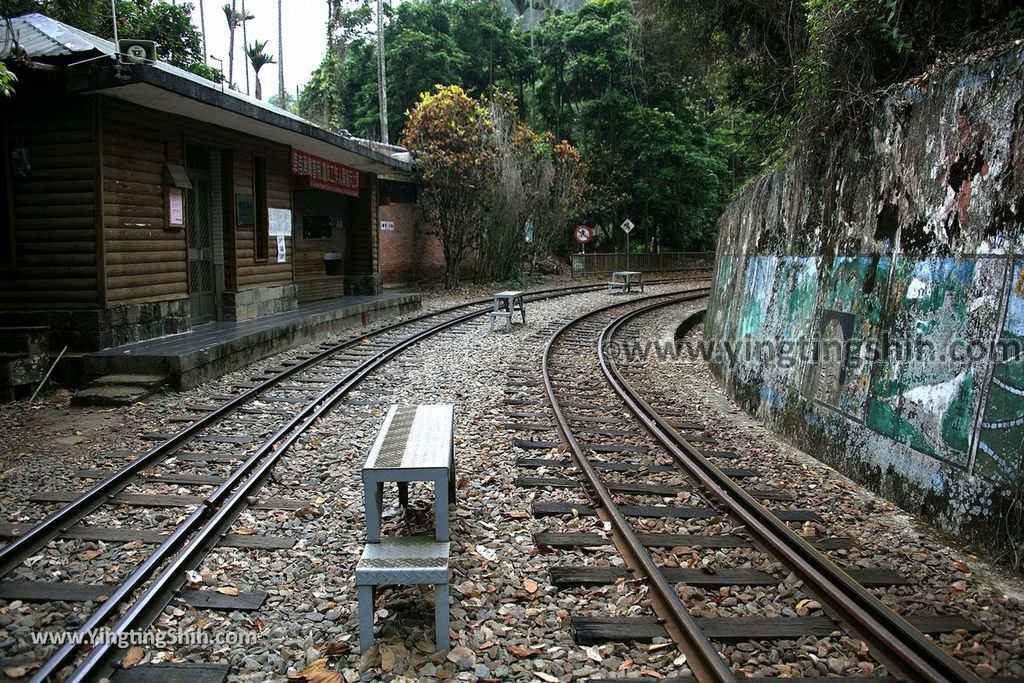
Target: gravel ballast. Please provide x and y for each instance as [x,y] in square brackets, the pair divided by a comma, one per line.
[508,622]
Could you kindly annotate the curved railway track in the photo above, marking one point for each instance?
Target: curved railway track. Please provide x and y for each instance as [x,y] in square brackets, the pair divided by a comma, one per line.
[578,356]
[320,380]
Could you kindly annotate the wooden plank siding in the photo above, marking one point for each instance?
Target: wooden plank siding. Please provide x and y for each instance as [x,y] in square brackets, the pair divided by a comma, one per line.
[253,272]
[145,261]
[54,208]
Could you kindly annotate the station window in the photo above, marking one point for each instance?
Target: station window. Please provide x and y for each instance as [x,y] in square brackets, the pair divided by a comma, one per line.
[262,226]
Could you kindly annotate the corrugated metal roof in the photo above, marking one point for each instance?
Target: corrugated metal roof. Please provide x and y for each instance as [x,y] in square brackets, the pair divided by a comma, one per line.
[41,36]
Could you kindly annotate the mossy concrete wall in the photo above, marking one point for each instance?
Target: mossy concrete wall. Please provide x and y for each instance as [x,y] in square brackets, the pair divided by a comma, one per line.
[864,286]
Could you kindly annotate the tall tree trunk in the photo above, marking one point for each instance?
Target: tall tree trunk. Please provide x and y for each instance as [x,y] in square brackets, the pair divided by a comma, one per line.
[382,84]
[245,46]
[231,45]
[202,27]
[259,88]
[280,60]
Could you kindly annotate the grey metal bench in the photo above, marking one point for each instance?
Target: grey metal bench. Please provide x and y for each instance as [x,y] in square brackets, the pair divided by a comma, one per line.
[505,306]
[406,561]
[630,278]
[414,444]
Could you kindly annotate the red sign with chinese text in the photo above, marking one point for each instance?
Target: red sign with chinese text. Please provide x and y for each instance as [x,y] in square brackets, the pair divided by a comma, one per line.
[311,171]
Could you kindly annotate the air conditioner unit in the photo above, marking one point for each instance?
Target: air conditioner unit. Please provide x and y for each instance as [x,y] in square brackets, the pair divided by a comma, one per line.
[136,51]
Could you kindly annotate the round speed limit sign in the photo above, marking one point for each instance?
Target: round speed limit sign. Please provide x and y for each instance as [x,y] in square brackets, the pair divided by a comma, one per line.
[583,234]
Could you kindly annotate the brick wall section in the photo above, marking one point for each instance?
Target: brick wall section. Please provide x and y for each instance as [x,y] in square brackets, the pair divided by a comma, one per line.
[407,253]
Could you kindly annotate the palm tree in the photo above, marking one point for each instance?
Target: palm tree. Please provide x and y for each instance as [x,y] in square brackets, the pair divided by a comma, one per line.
[258,58]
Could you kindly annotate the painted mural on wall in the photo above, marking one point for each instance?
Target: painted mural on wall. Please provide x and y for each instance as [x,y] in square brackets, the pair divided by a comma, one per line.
[929,393]
[914,338]
[1001,437]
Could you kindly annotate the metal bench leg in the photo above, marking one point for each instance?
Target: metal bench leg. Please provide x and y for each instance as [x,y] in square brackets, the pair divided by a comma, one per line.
[492,317]
[451,480]
[374,509]
[440,617]
[403,494]
[366,617]
[441,509]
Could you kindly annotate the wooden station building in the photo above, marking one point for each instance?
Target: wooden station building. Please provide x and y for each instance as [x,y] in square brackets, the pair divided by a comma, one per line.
[139,200]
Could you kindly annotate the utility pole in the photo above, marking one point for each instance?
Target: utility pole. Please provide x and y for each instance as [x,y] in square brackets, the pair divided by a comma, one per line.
[382,86]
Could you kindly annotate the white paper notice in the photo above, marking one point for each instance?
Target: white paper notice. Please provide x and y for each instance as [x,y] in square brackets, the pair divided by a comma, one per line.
[176,206]
[280,222]
[281,255]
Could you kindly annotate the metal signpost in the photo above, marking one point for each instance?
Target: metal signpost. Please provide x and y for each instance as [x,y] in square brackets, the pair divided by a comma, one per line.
[626,226]
[582,234]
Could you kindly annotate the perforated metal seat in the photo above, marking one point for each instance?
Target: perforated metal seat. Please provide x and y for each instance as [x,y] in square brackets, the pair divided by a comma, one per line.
[403,561]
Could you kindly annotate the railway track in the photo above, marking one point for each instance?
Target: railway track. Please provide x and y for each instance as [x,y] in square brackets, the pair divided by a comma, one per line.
[625,453]
[236,445]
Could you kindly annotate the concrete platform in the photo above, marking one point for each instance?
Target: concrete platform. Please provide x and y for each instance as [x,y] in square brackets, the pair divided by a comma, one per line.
[211,350]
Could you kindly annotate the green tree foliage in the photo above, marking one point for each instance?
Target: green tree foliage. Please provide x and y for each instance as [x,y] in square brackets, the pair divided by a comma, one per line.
[656,152]
[7,80]
[797,72]
[470,43]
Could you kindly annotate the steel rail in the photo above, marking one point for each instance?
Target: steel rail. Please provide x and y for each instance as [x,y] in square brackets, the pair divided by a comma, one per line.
[204,527]
[896,643]
[702,657]
[16,551]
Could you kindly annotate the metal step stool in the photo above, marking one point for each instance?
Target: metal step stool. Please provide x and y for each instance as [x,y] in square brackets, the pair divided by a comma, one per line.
[403,561]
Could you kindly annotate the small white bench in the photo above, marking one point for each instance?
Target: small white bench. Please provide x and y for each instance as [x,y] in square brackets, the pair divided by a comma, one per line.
[505,306]
[625,280]
[403,561]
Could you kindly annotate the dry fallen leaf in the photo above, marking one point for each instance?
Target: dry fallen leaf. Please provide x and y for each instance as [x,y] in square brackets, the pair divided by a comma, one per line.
[132,657]
[324,676]
[959,586]
[227,590]
[310,670]
[522,652]
[90,555]
[245,531]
